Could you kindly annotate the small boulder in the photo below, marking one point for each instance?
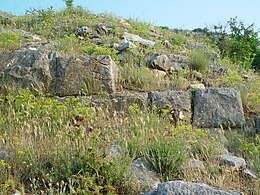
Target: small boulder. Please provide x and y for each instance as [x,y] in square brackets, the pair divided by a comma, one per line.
[144,176]
[3,155]
[136,38]
[184,187]
[195,164]
[160,62]
[233,162]
[167,43]
[126,45]
[246,173]
[196,85]
[113,151]
[83,31]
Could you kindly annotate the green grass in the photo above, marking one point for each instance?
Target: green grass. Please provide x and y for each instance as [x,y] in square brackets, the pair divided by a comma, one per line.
[52,151]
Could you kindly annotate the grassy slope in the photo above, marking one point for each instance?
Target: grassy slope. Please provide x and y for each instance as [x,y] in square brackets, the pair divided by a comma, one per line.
[50,150]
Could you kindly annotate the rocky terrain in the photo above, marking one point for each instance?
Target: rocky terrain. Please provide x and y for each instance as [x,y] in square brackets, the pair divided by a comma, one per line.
[95,104]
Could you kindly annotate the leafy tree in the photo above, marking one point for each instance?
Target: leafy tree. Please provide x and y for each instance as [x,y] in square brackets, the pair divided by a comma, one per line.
[236,41]
[69,3]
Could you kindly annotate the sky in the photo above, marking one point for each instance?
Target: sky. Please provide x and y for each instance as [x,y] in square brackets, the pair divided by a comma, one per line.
[181,14]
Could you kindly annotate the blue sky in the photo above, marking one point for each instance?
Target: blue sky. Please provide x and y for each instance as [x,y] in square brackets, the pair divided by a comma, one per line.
[185,14]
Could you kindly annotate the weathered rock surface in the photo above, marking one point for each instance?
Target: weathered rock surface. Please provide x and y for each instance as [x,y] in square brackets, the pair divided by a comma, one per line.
[29,67]
[160,62]
[166,62]
[218,107]
[196,85]
[233,162]
[144,176]
[3,155]
[113,151]
[38,67]
[246,173]
[126,45]
[177,102]
[136,38]
[83,31]
[195,164]
[187,188]
[122,102]
[75,74]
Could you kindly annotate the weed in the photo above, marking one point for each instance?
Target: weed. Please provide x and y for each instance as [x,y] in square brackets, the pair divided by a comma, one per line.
[10,41]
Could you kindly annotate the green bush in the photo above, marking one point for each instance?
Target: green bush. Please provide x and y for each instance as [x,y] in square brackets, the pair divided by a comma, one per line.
[10,41]
[236,41]
[98,50]
[248,148]
[199,60]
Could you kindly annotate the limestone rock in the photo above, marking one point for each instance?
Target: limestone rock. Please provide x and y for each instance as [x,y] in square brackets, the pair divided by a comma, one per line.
[29,68]
[177,102]
[126,45]
[75,74]
[186,188]
[160,62]
[196,85]
[144,176]
[113,151]
[3,155]
[167,43]
[215,107]
[122,102]
[38,67]
[233,162]
[136,38]
[195,164]
[159,74]
[83,30]
[248,174]
[166,62]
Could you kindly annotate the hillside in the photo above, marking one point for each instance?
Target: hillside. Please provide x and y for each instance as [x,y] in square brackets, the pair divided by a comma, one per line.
[96,104]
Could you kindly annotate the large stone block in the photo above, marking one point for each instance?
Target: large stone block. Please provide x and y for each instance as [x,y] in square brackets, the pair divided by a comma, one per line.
[178,103]
[218,107]
[39,67]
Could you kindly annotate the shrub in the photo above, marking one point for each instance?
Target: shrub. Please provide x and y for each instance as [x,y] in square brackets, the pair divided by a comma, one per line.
[10,41]
[236,41]
[248,148]
[199,60]
[98,50]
